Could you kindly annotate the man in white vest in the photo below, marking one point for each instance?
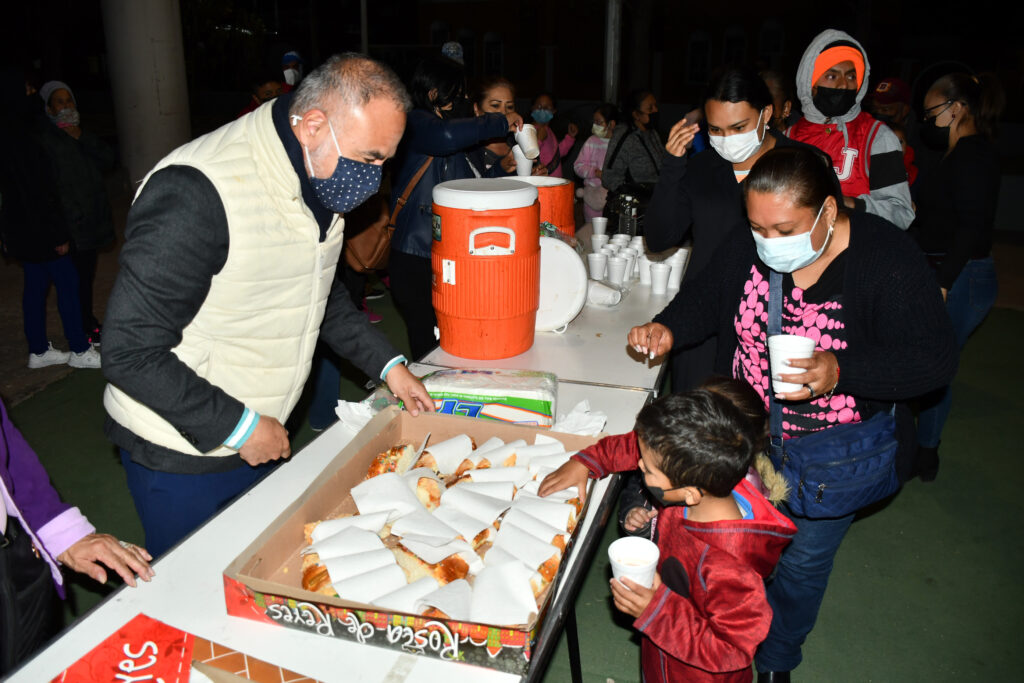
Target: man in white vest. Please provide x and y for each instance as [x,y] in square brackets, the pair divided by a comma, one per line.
[226,282]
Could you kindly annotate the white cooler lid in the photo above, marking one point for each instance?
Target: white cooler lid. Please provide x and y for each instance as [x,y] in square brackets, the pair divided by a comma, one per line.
[542,180]
[563,285]
[484,194]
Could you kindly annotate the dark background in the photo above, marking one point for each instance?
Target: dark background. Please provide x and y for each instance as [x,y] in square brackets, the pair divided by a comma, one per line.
[670,47]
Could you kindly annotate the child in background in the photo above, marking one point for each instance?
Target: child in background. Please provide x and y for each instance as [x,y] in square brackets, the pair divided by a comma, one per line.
[719,537]
[552,151]
[590,161]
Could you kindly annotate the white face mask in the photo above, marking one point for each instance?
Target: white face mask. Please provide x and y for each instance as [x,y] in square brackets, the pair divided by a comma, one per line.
[792,252]
[599,130]
[738,147]
[291,76]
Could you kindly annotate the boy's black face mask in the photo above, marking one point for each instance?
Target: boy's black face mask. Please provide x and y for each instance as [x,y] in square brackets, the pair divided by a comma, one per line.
[658,494]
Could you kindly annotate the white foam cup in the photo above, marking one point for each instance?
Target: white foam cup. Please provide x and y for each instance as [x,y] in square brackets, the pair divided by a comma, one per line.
[644,264]
[620,239]
[659,277]
[526,138]
[614,248]
[523,164]
[634,558]
[630,255]
[782,348]
[675,276]
[599,224]
[597,263]
[598,241]
[616,270]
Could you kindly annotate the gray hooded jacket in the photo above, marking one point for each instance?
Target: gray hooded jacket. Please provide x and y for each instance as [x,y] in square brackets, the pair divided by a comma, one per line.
[889,195]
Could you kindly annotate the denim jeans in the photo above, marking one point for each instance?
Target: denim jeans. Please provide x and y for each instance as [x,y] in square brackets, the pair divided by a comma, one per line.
[967,302]
[797,589]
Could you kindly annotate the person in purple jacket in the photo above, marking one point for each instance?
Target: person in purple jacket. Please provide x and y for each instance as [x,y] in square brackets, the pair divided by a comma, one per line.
[41,533]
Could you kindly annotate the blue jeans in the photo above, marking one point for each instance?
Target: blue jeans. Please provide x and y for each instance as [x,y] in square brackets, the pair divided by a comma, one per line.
[171,506]
[967,302]
[38,277]
[796,591]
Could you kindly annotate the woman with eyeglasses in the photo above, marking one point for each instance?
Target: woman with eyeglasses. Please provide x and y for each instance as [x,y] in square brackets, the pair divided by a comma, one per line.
[956,209]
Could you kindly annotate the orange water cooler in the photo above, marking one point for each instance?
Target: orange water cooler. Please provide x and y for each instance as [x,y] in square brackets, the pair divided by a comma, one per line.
[486,266]
[557,197]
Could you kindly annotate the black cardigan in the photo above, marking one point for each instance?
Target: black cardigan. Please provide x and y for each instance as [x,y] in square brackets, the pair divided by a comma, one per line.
[901,343]
[956,207]
[900,338]
[699,197]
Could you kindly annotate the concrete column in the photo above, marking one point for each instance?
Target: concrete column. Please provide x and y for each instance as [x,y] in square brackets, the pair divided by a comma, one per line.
[147,74]
[612,50]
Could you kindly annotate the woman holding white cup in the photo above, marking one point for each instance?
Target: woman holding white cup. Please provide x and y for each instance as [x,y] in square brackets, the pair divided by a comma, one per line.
[860,289]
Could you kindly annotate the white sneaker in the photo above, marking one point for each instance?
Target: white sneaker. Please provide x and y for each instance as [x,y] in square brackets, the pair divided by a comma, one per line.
[90,358]
[51,356]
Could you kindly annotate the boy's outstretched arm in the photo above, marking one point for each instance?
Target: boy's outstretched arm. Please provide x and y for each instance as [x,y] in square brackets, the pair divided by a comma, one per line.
[616,453]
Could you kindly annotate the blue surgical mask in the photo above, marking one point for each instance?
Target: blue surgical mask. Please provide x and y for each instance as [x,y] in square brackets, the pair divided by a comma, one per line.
[542,115]
[792,252]
[351,184]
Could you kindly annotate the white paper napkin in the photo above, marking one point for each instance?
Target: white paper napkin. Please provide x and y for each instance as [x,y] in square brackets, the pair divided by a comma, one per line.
[347,566]
[404,599]
[581,420]
[454,599]
[386,491]
[502,595]
[373,522]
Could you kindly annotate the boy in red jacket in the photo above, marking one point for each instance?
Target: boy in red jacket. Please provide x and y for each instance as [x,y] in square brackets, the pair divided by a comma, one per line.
[719,538]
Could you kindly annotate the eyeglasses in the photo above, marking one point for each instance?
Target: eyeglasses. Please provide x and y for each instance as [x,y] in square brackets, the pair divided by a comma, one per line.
[947,104]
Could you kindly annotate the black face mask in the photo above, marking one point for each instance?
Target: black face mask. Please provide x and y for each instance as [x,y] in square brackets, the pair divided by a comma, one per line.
[658,494]
[833,102]
[935,137]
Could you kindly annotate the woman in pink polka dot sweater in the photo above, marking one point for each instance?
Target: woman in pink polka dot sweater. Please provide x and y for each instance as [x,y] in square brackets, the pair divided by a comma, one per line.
[863,291]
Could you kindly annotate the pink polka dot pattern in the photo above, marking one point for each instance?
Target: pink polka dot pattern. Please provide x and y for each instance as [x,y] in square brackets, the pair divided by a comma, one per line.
[822,322]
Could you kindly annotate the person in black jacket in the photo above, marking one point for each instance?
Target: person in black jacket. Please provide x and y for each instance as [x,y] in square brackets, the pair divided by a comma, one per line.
[956,211]
[34,230]
[857,286]
[80,159]
[700,199]
[440,129]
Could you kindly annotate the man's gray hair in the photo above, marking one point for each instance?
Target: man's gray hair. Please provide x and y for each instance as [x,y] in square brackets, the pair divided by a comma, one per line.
[350,79]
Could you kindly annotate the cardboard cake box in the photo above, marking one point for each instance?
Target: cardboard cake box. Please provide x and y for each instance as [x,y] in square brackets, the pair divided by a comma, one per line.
[264,583]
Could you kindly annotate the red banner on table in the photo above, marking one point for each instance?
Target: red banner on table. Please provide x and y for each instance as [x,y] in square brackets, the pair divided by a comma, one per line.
[149,651]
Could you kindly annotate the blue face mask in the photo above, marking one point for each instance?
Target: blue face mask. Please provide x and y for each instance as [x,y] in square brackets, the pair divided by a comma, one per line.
[351,184]
[542,115]
[792,252]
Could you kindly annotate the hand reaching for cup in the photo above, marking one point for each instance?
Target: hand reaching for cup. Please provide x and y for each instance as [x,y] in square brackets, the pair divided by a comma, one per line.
[515,122]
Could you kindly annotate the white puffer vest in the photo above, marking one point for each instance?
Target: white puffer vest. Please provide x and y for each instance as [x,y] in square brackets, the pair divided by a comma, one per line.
[255,333]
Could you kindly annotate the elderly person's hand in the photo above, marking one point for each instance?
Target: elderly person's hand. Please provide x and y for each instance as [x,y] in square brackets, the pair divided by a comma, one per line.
[409,389]
[820,376]
[90,553]
[268,441]
[652,339]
